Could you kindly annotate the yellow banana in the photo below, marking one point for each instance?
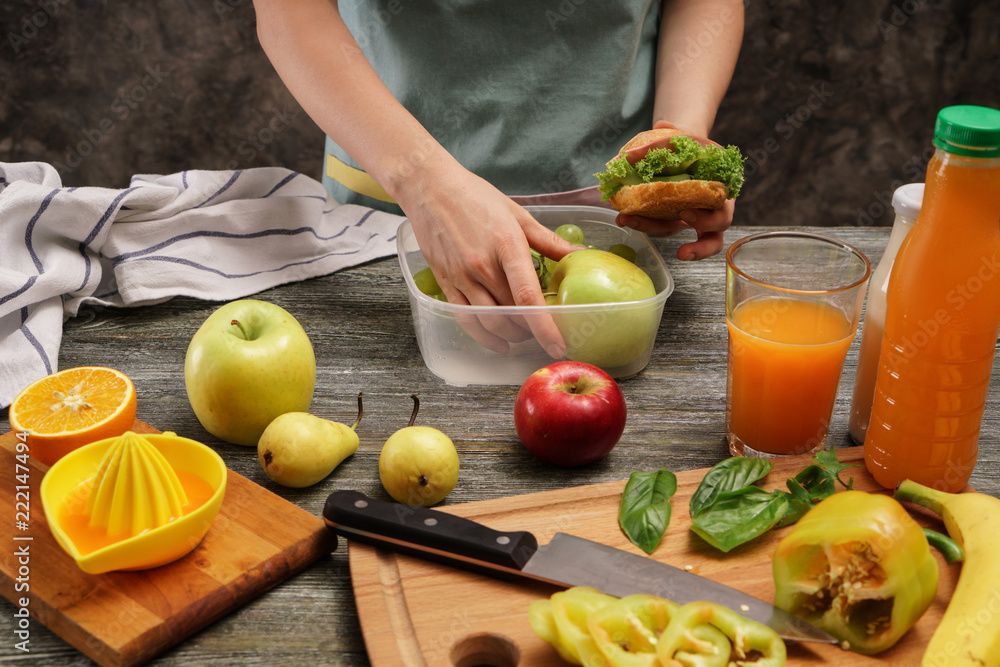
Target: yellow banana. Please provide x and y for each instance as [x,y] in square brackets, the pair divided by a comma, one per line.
[969,633]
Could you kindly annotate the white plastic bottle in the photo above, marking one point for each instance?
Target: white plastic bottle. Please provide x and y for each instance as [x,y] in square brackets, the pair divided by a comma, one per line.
[906,202]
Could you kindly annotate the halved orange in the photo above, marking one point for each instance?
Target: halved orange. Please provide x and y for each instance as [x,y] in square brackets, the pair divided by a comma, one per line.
[72,408]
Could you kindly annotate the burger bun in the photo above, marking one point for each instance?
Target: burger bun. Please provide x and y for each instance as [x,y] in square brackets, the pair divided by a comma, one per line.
[666,199]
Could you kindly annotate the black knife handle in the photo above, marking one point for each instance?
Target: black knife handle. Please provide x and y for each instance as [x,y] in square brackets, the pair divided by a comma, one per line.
[407,528]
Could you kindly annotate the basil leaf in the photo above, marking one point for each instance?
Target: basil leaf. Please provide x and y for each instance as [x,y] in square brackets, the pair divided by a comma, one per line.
[800,501]
[813,484]
[827,459]
[816,481]
[645,507]
[736,517]
[729,474]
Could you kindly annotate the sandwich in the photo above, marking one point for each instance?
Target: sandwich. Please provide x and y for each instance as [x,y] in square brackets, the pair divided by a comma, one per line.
[666,181]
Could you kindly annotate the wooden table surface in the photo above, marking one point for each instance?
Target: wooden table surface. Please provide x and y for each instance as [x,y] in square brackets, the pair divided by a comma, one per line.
[359,323]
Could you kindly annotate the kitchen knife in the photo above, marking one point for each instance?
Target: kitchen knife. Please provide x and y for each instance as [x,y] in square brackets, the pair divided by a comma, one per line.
[565,561]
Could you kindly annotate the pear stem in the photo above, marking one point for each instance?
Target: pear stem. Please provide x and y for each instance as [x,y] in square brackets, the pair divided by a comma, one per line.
[416,407]
[360,411]
[236,323]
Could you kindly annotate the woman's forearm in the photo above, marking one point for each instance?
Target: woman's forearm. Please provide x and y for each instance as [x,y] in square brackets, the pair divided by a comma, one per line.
[698,46]
[322,66]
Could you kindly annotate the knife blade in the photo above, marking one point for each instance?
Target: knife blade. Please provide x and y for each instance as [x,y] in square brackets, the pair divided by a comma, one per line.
[566,560]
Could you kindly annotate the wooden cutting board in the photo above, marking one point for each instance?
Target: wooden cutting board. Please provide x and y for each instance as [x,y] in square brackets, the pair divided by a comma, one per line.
[417,613]
[126,618]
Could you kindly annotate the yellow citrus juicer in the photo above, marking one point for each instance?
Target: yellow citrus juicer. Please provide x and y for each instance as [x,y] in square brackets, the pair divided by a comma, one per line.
[134,491]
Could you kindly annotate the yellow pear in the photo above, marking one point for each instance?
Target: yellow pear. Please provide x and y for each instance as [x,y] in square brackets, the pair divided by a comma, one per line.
[298,449]
[418,465]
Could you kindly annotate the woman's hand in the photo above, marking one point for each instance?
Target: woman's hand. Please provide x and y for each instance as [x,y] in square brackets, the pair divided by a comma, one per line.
[478,244]
[708,224]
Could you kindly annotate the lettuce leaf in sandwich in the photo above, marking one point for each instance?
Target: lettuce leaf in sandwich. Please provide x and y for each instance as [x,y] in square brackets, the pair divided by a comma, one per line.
[687,160]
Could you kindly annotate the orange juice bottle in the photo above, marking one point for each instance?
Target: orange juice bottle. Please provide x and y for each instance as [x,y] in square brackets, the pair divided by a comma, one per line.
[942,314]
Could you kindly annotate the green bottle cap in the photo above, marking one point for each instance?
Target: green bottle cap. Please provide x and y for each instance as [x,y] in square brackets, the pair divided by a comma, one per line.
[968,130]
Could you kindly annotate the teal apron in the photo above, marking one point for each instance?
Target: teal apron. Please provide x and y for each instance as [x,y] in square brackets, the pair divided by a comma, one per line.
[534,98]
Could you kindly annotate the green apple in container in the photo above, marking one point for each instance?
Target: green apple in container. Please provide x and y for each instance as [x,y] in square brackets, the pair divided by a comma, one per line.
[607,338]
[250,362]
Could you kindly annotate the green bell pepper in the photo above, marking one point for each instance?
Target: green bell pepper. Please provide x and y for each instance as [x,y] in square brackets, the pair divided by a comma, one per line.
[859,567]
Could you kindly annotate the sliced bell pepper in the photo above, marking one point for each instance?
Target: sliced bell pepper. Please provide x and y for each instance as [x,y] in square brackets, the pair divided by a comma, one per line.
[859,567]
[626,631]
[563,623]
[544,624]
[705,634]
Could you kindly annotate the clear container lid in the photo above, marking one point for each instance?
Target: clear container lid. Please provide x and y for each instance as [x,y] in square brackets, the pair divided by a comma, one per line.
[972,131]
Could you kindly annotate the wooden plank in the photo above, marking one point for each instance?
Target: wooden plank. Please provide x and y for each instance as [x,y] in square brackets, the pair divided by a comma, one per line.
[415,612]
[120,619]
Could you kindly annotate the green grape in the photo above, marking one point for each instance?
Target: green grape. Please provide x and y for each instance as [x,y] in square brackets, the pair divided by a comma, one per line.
[570,233]
[544,271]
[428,284]
[622,250]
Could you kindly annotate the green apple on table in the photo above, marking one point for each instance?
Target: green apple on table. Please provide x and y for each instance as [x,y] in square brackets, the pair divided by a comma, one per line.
[250,362]
[606,338]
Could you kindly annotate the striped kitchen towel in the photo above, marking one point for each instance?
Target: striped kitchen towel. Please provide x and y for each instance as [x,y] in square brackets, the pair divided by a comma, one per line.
[214,235]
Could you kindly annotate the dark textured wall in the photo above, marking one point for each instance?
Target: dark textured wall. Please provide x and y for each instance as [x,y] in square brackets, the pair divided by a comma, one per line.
[833,103]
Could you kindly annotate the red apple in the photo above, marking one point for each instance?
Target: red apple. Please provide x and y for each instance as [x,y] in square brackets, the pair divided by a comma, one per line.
[569,413]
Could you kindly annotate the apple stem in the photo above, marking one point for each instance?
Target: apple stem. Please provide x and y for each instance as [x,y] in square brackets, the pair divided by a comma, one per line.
[360,411]
[416,406]
[236,323]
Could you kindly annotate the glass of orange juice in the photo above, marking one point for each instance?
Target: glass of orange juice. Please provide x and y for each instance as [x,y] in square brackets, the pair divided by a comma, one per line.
[793,301]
